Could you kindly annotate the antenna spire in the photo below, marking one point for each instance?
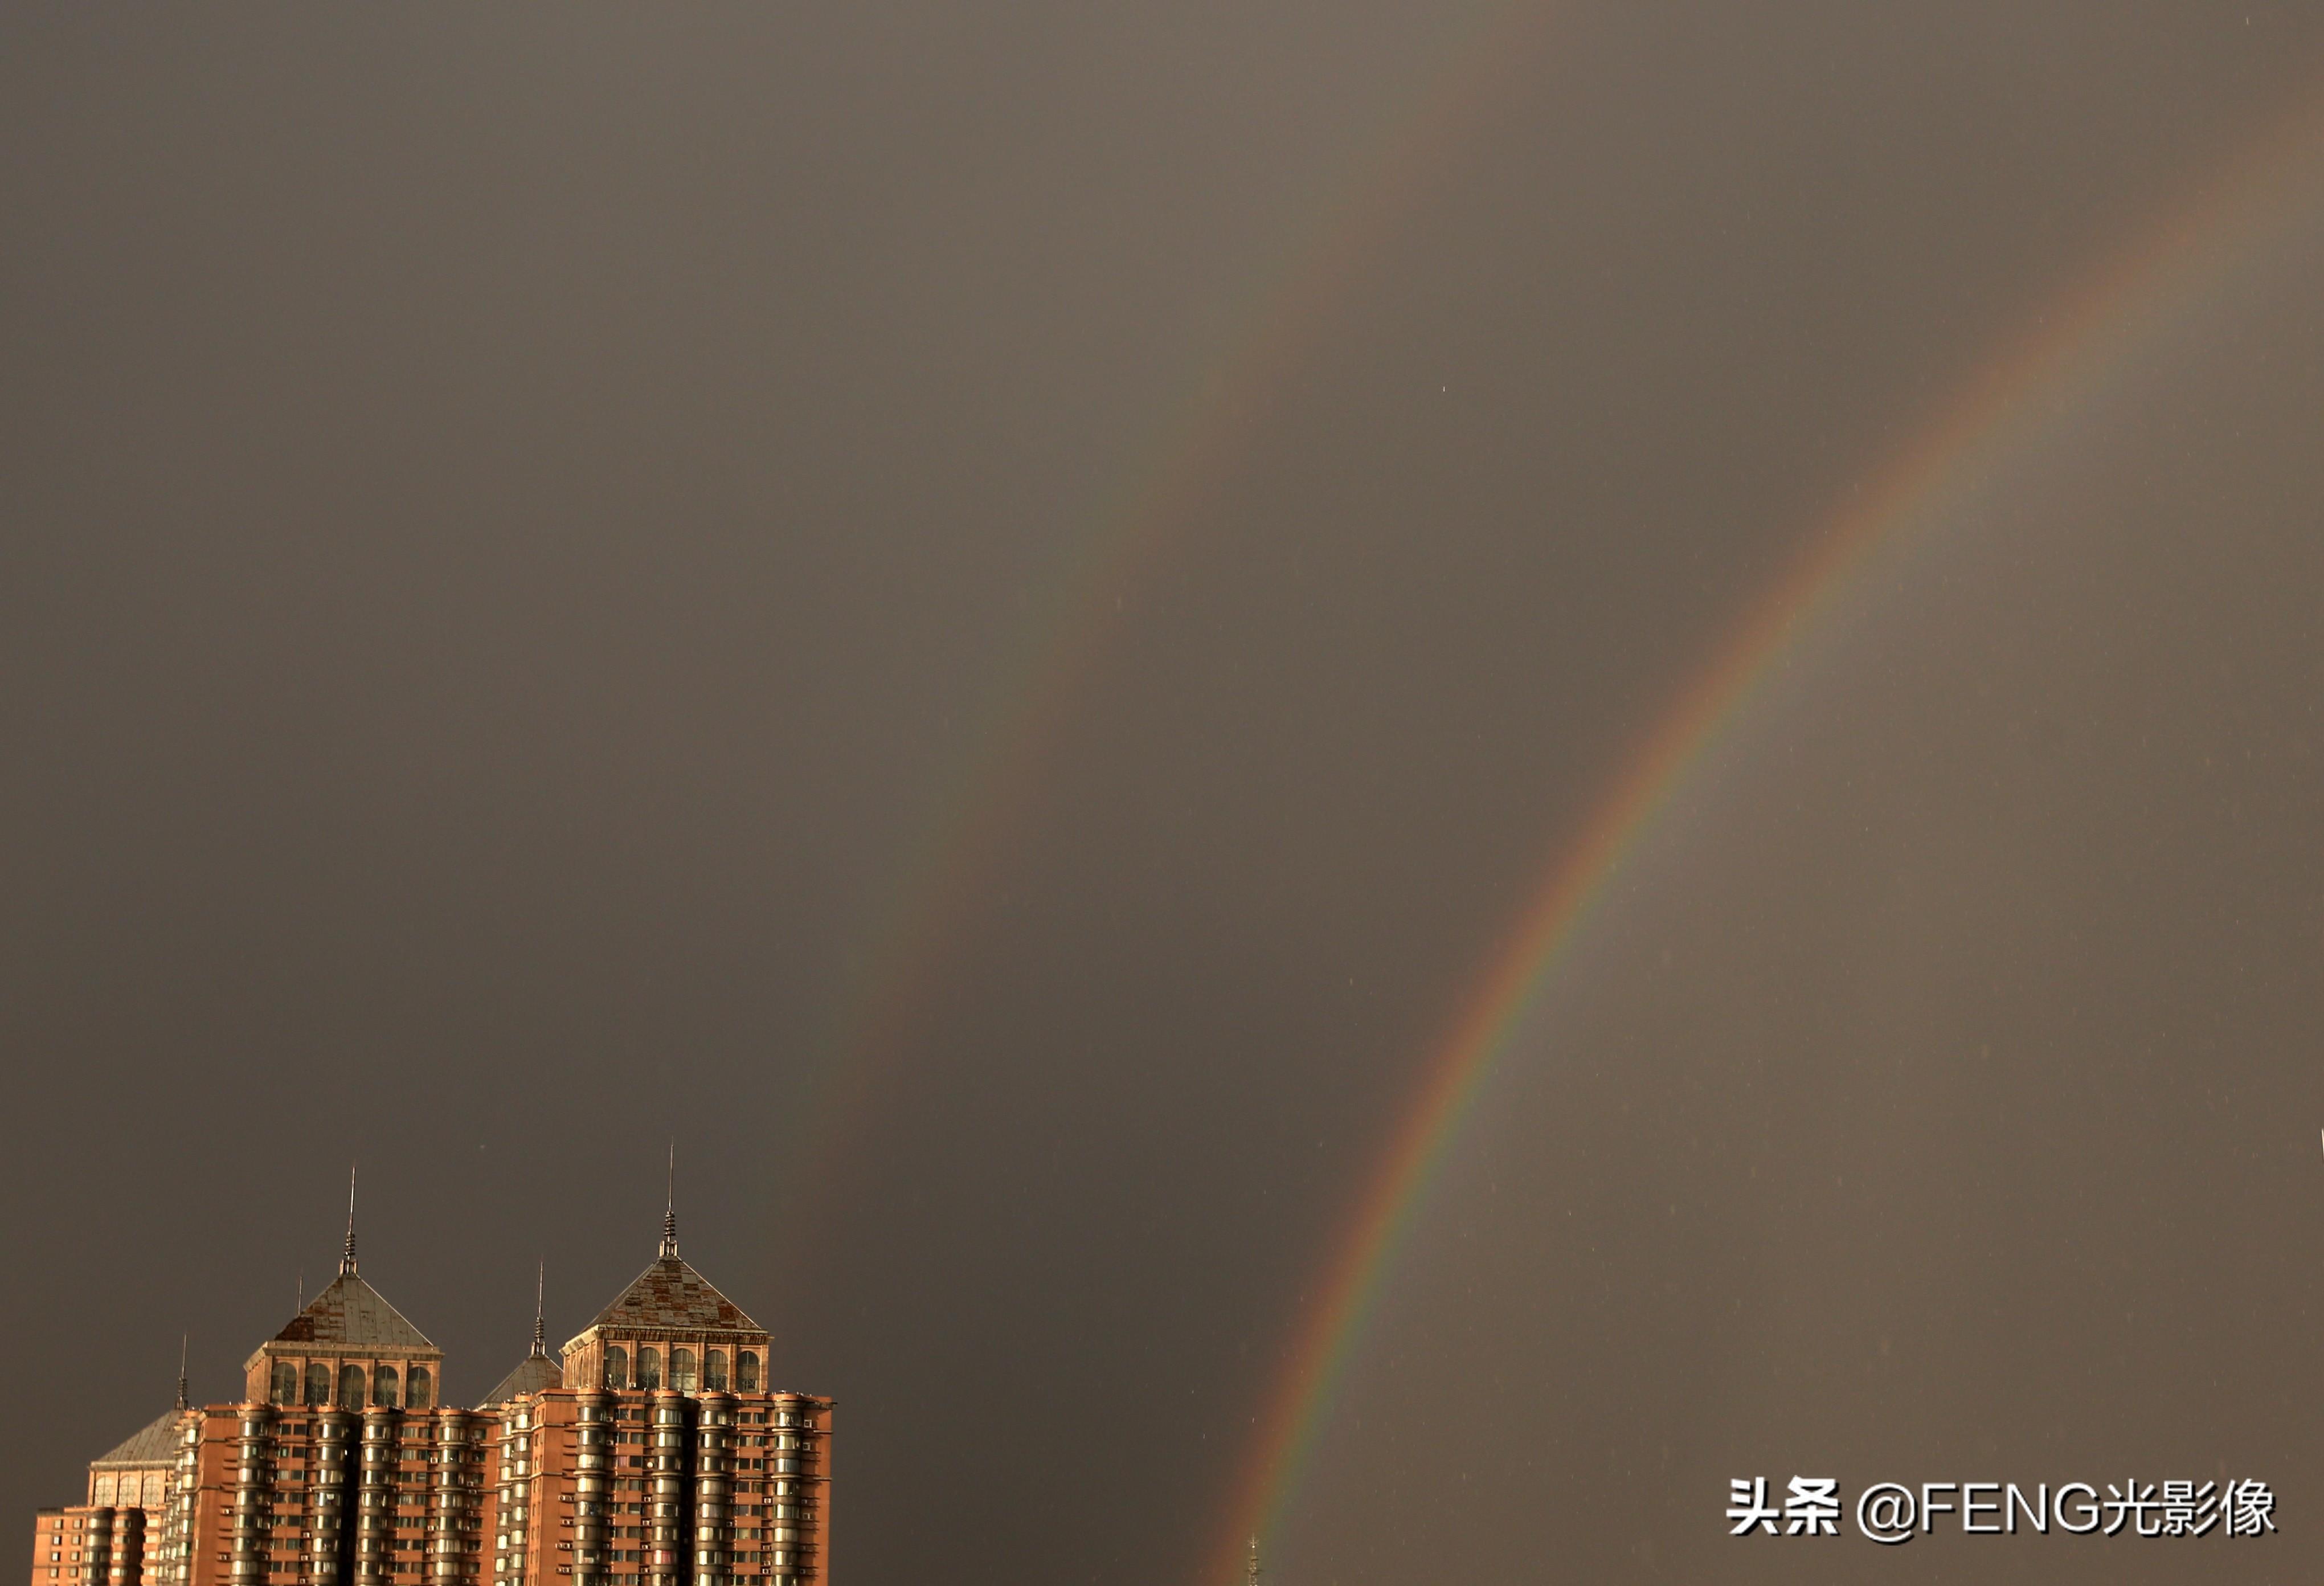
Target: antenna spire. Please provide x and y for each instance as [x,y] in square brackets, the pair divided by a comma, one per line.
[669,1209]
[348,1259]
[1252,1572]
[539,1311]
[181,1370]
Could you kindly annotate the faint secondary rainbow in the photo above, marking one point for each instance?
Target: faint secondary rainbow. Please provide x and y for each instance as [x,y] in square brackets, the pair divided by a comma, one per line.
[969,816]
[2074,354]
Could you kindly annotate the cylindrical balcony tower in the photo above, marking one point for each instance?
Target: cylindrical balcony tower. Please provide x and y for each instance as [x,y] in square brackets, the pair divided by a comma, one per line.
[670,1523]
[253,1524]
[593,1461]
[331,1535]
[714,1464]
[374,1504]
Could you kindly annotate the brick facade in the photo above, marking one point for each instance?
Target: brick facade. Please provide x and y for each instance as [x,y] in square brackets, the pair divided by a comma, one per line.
[654,1451]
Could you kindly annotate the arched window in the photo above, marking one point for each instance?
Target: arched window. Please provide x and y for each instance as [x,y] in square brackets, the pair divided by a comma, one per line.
[649,1367]
[153,1491]
[284,1389]
[351,1387]
[617,1366]
[681,1370]
[714,1370]
[318,1383]
[104,1495]
[746,1371]
[416,1391]
[384,1385]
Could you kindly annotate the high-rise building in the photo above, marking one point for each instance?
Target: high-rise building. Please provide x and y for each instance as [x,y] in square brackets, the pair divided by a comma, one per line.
[653,1450]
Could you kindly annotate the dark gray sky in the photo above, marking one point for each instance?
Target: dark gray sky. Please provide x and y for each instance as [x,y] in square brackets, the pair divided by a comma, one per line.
[517,521]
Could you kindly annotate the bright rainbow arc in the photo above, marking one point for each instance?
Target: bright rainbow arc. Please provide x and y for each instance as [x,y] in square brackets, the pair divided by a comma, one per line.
[2069,358]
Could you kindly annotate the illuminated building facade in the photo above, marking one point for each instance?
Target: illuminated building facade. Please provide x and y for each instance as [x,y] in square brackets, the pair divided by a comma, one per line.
[651,1451]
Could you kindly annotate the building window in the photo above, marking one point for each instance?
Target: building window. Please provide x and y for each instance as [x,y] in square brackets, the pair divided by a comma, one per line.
[746,1371]
[318,1383]
[153,1493]
[384,1385]
[649,1367]
[617,1366]
[416,1391]
[284,1386]
[351,1387]
[714,1370]
[103,1490]
[681,1370]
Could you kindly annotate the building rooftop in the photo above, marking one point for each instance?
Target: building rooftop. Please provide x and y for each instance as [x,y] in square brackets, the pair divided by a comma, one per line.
[154,1443]
[534,1373]
[536,1370]
[352,1312]
[671,1296]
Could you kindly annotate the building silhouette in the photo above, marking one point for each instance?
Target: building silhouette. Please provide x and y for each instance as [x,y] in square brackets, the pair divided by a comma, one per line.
[651,1450]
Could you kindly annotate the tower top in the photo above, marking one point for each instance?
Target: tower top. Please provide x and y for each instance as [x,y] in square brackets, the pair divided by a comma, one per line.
[536,1371]
[348,1258]
[669,1208]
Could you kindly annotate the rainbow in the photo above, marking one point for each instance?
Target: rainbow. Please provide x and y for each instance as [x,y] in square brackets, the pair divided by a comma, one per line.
[972,811]
[2074,354]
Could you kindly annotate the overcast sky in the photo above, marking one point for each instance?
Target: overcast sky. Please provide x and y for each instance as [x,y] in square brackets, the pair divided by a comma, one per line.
[988,614]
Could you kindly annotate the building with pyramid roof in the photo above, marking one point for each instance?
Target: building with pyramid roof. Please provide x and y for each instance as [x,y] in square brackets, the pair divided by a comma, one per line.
[347,1346]
[670,1323]
[135,1473]
[650,1450]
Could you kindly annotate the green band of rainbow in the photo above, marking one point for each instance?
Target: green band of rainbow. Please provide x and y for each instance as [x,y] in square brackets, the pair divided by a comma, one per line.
[2079,351]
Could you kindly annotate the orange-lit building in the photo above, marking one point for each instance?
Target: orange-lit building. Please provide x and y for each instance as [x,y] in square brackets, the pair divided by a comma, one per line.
[653,1451]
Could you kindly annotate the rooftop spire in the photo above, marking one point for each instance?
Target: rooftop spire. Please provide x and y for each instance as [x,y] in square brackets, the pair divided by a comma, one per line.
[181,1370]
[348,1259]
[669,1209]
[539,1311]
[1251,1572]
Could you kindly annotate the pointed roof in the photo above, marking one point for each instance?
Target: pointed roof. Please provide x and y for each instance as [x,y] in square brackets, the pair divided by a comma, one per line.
[153,1444]
[670,1294]
[352,1312]
[533,1373]
[536,1370]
